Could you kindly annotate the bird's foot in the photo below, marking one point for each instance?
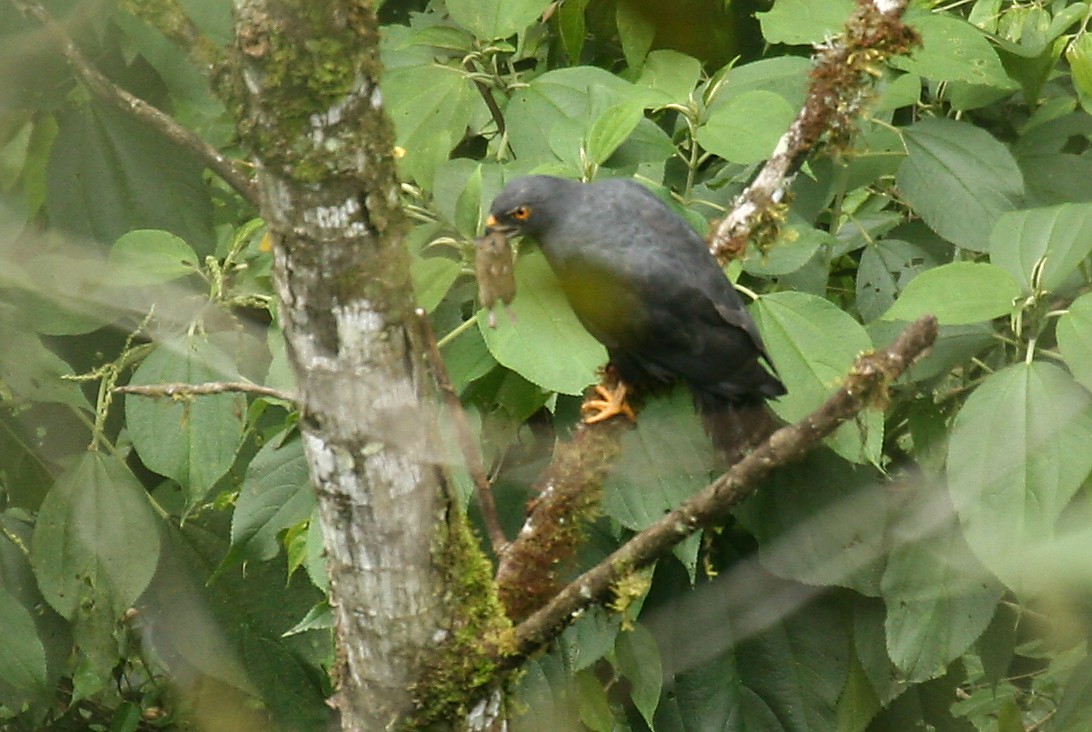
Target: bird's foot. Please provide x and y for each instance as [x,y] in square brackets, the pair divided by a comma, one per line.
[611,402]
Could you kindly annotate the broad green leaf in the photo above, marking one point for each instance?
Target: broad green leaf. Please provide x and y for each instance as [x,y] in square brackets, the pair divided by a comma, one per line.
[671,74]
[1075,339]
[288,689]
[590,638]
[150,257]
[638,659]
[959,179]
[1017,454]
[885,268]
[746,128]
[468,206]
[545,696]
[939,598]
[573,28]
[96,537]
[34,372]
[953,50]
[276,494]
[794,248]
[22,656]
[635,31]
[555,110]
[432,278]
[957,293]
[134,176]
[1079,55]
[611,129]
[430,106]
[192,440]
[546,345]
[825,525]
[61,293]
[804,21]
[814,344]
[1059,235]
[492,19]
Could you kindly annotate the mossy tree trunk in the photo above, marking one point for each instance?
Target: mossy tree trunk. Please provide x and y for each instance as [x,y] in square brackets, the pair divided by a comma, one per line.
[309,108]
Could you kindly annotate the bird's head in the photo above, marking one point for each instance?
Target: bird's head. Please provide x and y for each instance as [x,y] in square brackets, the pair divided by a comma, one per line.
[530,205]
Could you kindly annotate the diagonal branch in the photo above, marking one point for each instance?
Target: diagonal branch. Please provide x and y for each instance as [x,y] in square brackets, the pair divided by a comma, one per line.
[865,386]
[162,123]
[844,71]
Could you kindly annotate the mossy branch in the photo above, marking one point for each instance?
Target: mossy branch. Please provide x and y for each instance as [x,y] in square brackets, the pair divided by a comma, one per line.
[865,386]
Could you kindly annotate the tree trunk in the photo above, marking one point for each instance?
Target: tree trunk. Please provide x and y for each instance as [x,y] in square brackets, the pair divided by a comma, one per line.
[310,111]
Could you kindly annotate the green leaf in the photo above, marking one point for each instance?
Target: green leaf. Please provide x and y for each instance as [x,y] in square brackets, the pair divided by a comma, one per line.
[814,344]
[804,21]
[276,494]
[666,458]
[1017,454]
[96,537]
[939,598]
[671,74]
[885,268]
[1079,55]
[546,345]
[1060,235]
[288,689]
[611,129]
[794,248]
[590,638]
[746,128]
[953,50]
[635,31]
[22,656]
[430,106]
[34,372]
[468,206]
[134,176]
[193,441]
[150,257]
[573,28]
[957,293]
[1074,711]
[959,179]
[1075,339]
[432,278]
[492,19]
[638,659]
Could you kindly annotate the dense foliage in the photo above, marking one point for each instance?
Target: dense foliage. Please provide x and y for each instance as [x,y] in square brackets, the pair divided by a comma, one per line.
[927,569]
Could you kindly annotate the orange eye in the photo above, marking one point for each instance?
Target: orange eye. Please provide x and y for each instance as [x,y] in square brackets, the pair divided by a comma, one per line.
[521,213]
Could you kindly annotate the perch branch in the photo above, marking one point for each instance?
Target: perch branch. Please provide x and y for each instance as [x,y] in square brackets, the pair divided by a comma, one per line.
[136,107]
[866,385]
[178,390]
[843,72]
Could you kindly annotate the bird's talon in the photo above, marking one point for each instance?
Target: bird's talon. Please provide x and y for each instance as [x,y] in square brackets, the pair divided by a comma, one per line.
[609,404]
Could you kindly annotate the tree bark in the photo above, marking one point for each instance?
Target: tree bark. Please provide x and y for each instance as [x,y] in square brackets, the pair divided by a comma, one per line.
[311,112]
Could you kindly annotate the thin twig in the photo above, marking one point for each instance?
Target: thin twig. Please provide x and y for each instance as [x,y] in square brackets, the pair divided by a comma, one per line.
[866,385]
[467,445]
[178,390]
[163,123]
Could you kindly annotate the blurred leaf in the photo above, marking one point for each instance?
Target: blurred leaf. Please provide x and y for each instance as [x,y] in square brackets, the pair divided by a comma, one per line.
[150,257]
[1016,456]
[546,345]
[639,661]
[136,178]
[985,291]
[1075,339]
[432,278]
[468,207]
[1074,711]
[492,19]
[813,344]
[746,128]
[671,74]
[573,28]
[191,440]
[794,248]
[589,638]
[287,688]
[939,598]
[1062,235]
[34,372]
[22,657]
[953,50]
[545,697]
[804,21]
[276,494]
[635,31]
[959,179]
[1079,55]
[96,536]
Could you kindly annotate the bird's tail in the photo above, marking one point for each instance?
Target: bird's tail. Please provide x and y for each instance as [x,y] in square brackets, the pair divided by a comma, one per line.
[735,427]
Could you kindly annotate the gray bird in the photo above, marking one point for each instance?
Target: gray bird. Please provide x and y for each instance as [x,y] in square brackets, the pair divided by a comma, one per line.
[644,284]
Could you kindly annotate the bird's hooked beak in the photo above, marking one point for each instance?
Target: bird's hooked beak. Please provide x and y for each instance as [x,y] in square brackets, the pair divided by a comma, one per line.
[492,225]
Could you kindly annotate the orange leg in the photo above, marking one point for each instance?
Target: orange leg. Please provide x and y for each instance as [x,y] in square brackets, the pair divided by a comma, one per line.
[610,403]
